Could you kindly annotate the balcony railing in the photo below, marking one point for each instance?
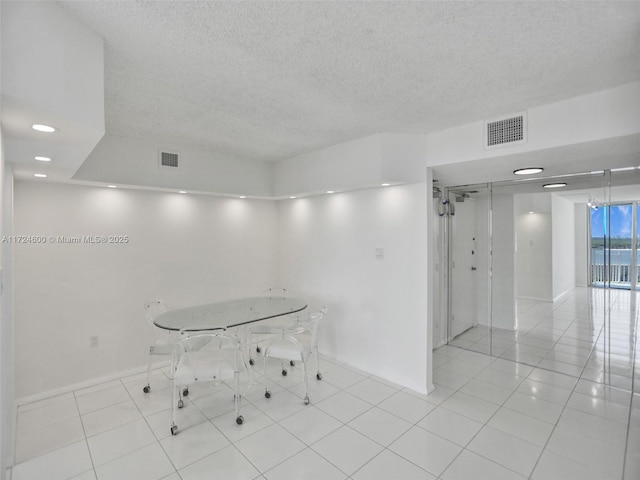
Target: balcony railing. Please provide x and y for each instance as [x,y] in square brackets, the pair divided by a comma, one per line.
[617,274]
[619,268]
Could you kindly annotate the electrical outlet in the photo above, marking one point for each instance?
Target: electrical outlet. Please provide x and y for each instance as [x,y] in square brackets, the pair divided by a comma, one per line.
[93,341]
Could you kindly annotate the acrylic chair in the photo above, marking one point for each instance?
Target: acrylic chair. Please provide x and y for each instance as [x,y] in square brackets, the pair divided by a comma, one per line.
[163,342]
[220,359]
[296,342]
[257,334]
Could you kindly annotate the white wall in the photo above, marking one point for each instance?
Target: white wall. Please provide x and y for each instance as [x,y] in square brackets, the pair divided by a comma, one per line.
[182,248]
[564,246]
[134,161]
[362,163]
[533,256]
[534,246]
[503,311]
[587,118]
[7,418]
[582,241]
[377,317]
[52,73]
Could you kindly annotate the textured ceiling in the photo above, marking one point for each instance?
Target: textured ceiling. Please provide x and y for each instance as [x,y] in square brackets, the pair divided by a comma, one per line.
[271,80]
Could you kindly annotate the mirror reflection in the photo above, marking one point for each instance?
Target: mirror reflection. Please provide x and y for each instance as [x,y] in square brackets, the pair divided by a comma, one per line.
[544,276]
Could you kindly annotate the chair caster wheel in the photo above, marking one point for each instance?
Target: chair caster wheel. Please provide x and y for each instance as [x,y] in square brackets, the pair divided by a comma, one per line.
[252,361]
[185,392]
[258,349]
[180,404]
[306,400]
[292,363]
[267,394]
[240,420]
[284,373]
[174,429]
[146,389]
[319,376]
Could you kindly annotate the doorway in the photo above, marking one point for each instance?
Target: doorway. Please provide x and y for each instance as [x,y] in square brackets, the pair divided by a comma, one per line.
[465,211]
[614,245]
[463,247]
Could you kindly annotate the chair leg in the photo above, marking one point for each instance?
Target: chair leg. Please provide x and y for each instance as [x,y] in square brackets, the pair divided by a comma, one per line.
[174,402]
[306,381]
[147,387]
[265,360]
[236,375]
[248,367]
[315,353]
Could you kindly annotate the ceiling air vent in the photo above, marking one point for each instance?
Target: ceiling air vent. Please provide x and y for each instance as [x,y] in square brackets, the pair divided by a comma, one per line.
[506,131]
[169,159]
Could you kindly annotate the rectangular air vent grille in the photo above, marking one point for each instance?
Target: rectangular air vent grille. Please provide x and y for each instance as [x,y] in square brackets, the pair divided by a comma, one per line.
[169,159]
[506,131]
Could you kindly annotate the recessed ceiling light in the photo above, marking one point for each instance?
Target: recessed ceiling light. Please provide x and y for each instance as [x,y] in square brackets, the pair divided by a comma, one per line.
[243,196]
[40,175]
[112,186]
[43,128]
[292,196]
[554,185]
[531,213]
[528,171]
[330,191]
[385,184]
[43,159]
[182,191]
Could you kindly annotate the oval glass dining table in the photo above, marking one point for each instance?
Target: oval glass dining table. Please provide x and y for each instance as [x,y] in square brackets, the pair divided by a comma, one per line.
[228,314]
[222,316]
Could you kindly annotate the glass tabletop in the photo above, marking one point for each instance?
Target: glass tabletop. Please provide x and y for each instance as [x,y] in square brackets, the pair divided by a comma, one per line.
[228,314]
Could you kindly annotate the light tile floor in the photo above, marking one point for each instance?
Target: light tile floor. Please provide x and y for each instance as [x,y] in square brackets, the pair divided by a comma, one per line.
[589,333]
[489,418]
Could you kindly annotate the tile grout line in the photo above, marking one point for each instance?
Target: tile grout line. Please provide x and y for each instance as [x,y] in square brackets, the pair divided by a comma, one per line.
[86,439]
[464,448]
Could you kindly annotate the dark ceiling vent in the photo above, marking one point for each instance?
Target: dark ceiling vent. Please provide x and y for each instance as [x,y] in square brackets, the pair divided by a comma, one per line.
[506,131]
[169,159]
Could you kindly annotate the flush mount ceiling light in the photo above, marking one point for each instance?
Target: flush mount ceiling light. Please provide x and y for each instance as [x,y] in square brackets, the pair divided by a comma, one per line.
[330,191]
[292,196]
[43,159]
[43,128]
[182,191]
[625,169]
[528,171]
[242,196]
[385,184]
[112,186]
[40,175]
[554,185]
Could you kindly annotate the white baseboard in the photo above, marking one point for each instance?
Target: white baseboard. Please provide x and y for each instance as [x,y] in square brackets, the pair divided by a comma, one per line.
[563,294]
[441,343]
[88,383]
[536,299]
